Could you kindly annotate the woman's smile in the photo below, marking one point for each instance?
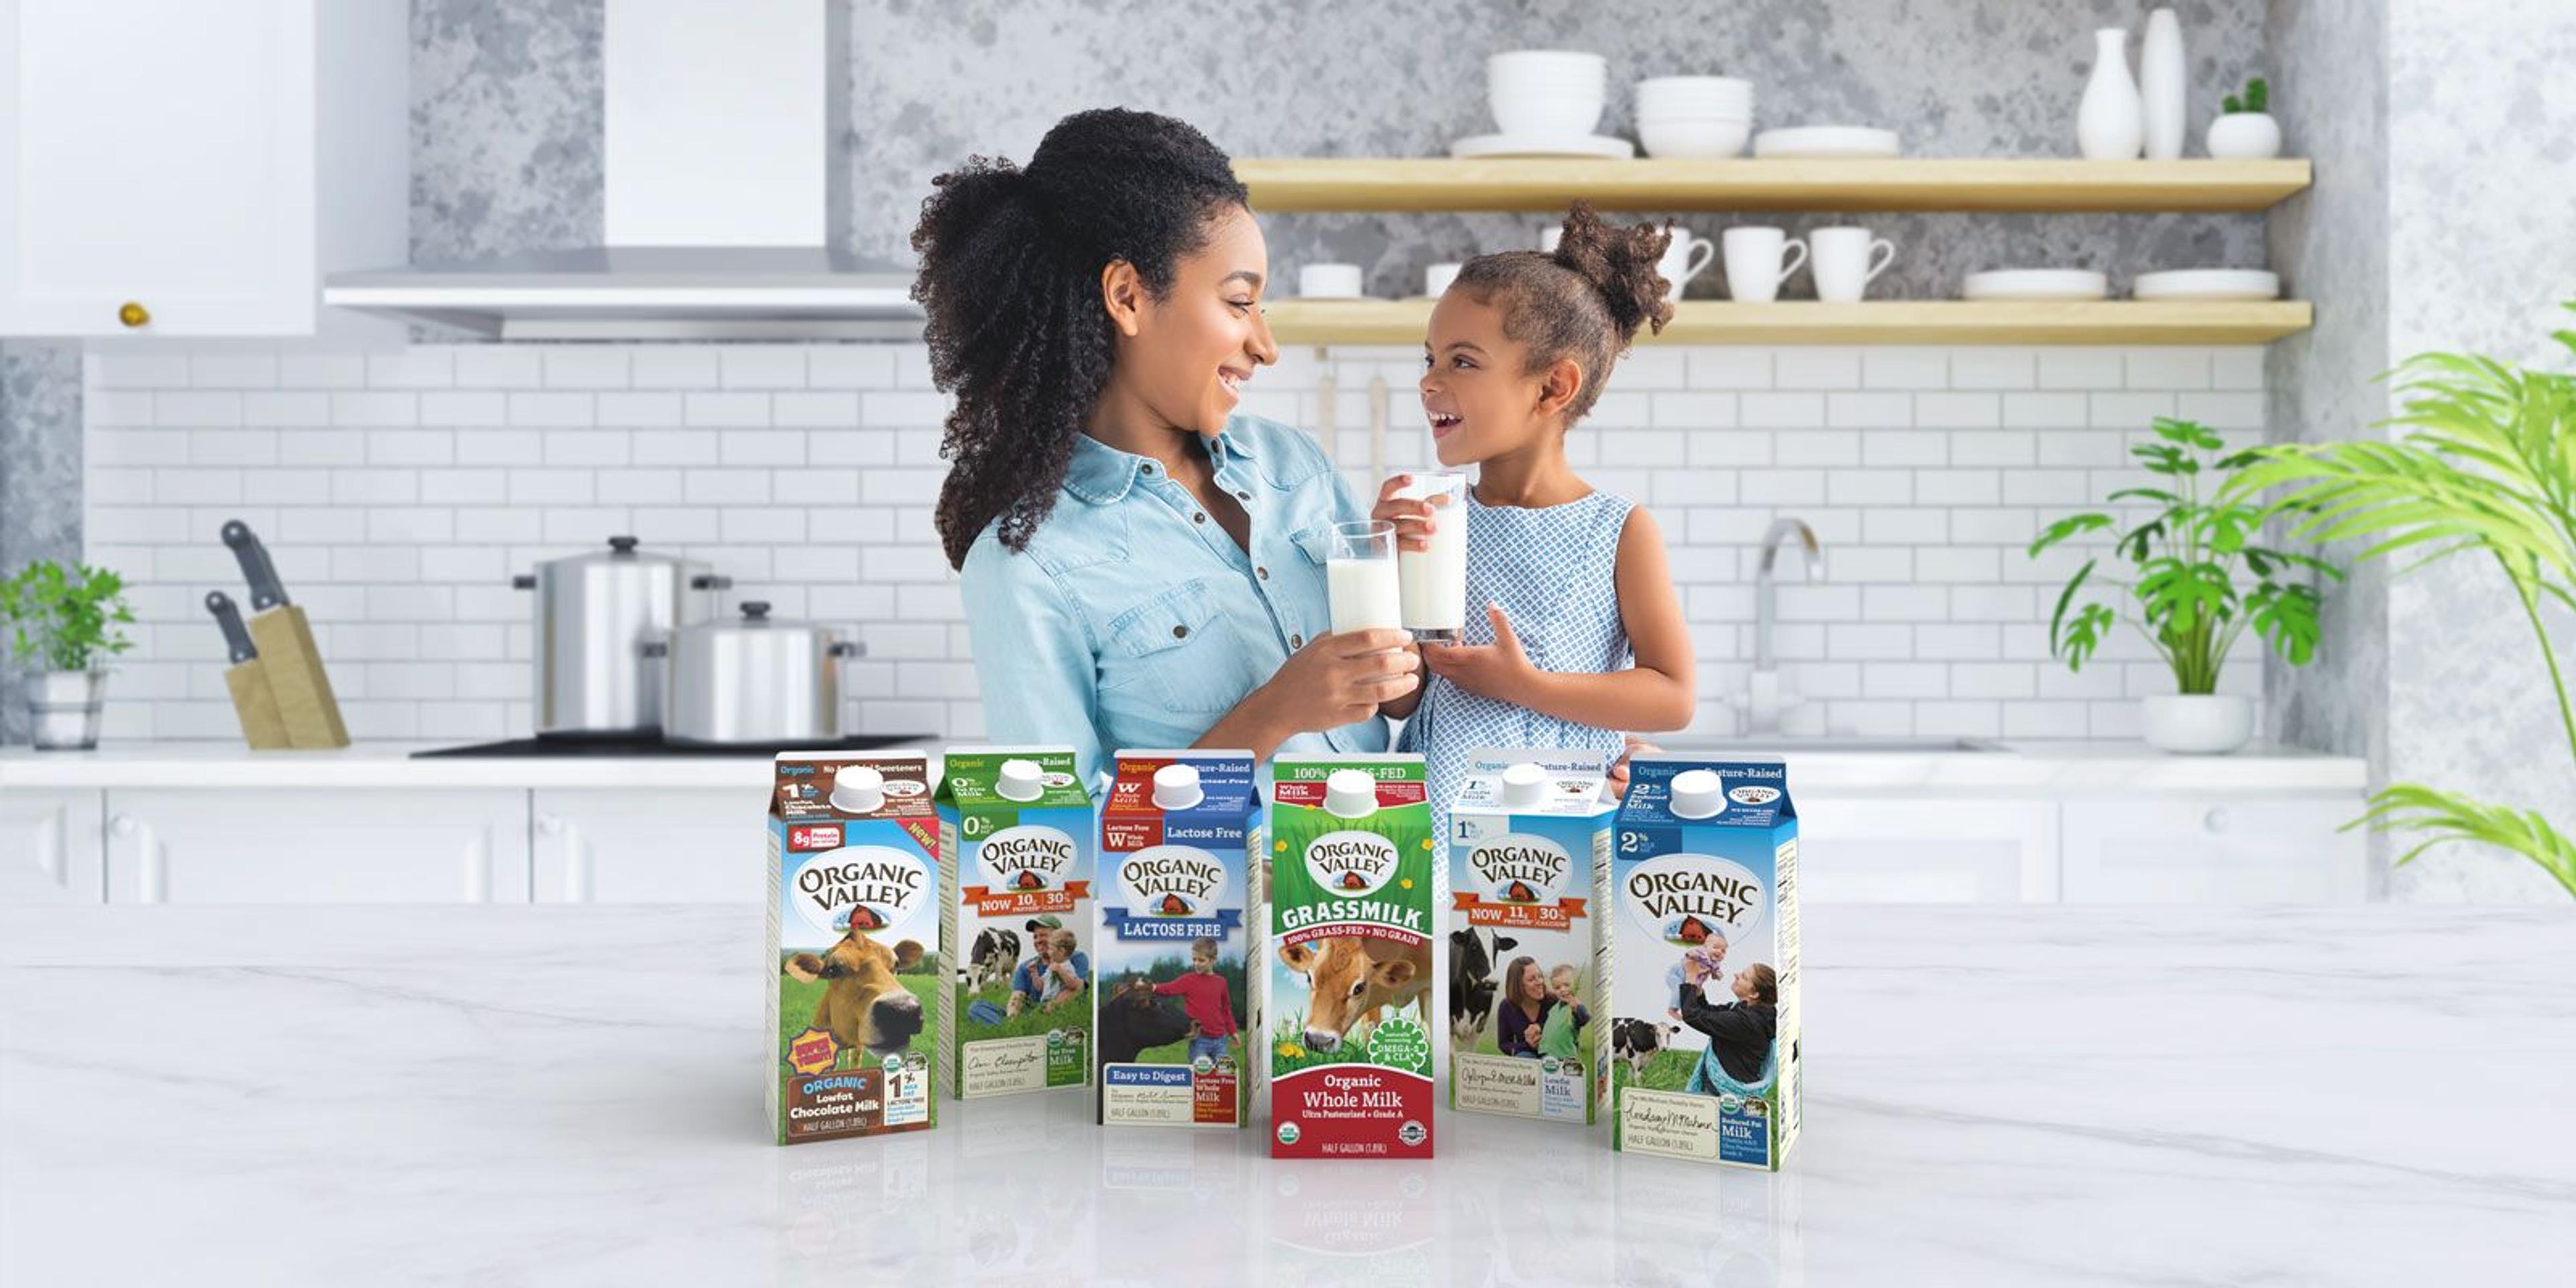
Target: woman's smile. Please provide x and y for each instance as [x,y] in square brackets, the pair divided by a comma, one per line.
[1231,380]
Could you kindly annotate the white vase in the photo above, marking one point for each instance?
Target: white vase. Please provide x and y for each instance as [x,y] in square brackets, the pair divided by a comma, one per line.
[2245,136]
[2110,125]
[2162,82]
[2198,724]
[64,708]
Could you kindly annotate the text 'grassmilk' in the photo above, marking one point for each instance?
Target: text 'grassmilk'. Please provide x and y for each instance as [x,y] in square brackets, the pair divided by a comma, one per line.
[1018,907]
[1350,877]
[855,862]
[1529,855]
[1180,845]
[1704,962]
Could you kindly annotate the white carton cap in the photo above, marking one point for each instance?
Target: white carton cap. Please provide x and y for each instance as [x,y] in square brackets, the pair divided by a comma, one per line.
[1524,784]
[1021,780]
[1698,793]
[857,789]
[1350,793]
[1176,786]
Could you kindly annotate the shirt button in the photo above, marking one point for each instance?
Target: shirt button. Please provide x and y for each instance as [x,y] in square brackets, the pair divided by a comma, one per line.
[1180,632]
[1198,518]
[1263,573]
[1242,496]
[1296,641]
[1146,468]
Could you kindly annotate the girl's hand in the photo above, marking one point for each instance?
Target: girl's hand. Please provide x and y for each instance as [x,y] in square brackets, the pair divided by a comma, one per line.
[1496,670]
[1412,516]
[1530,1035]
[1619,768]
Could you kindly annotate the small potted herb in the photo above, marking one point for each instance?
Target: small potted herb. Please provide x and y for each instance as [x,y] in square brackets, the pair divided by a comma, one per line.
[62,630]
[2245,129]
[2181,591]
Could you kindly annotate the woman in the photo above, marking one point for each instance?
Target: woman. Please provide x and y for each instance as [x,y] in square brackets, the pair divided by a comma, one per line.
[1741,1051]
[1138,559]
[1522,1015]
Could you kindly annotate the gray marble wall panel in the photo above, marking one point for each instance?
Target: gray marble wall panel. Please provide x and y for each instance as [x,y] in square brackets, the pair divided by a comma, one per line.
[506,126]
[40,470]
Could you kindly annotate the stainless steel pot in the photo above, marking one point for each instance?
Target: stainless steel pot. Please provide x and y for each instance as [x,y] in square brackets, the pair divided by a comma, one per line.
[594,614]
[754,679]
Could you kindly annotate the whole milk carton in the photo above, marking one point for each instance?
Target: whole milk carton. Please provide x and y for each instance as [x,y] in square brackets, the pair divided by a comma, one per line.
[855,864]
[1018,907]
[1180,846]
[1529,860]
[1351,866]
[1704,962]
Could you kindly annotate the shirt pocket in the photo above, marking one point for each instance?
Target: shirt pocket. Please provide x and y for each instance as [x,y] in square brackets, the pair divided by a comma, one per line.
[1173,650]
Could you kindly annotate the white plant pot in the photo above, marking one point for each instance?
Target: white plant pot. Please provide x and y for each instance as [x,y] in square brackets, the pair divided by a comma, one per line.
[2244,136]
[2198,724]
[64,708]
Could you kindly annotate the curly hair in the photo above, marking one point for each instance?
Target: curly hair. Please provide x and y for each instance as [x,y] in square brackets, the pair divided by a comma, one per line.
[1010,277]
[1584,300]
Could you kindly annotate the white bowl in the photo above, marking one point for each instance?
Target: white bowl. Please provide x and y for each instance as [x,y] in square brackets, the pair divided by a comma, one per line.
[1677,90]
[1826,141]
[1547,70]
[1694,140]
[1544,114]
[2036,284]
[2207,284]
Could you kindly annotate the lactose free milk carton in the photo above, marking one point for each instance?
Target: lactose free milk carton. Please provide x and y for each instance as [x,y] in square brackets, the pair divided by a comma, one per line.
[1351,863]
[855,862]
[1018,908]
[1180,846]
[1704,962]
[1529,865]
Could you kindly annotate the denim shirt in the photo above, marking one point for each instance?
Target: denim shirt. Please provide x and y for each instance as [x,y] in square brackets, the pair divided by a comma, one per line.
[1133,620]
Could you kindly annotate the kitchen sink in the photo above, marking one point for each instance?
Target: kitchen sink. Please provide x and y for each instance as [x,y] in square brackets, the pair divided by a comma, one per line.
[1792,744]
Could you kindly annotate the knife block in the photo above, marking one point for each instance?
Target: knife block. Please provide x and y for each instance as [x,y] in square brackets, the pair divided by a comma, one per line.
[294,665]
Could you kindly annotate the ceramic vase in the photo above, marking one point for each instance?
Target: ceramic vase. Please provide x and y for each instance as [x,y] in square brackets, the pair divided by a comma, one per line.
[2162,82]
[2110,125]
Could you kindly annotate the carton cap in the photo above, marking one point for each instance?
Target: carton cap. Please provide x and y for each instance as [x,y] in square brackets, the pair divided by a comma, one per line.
[857,789]
[1021,780]
[1350,793]
[1698,793]
[1176,786]
[1524,784]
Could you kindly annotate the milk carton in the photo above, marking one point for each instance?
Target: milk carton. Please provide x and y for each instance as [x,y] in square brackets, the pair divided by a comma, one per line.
[855,864]
[1351,865]
[1704,962]
[1180,845]
[1529,860]
[1018,907]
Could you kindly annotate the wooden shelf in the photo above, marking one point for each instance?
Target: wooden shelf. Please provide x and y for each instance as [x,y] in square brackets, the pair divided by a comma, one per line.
[1901,183]
[1401,322]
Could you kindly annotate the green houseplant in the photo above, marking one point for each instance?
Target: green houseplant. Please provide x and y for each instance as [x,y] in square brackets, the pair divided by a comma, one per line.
[2485,465]
[2176,581]
[63,629]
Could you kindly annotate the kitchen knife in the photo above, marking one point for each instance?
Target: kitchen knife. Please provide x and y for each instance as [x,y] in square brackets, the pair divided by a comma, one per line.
[287,653]
[247,678]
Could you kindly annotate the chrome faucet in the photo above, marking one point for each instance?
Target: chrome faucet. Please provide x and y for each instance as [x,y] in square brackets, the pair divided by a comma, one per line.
[1764,700]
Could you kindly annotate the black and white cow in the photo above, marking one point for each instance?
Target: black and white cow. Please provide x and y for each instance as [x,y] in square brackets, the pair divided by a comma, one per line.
[1473,955]
[996,952]
[1637,1041]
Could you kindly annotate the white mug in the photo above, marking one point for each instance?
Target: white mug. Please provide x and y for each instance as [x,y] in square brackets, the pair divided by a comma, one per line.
[1683,260]
[1329,281]
[1754,266]
[1846,261]
[1548,236]
[1436,279]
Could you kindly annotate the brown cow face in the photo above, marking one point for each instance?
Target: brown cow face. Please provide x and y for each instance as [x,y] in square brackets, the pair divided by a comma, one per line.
[864,1007]
[1347,985]
[855,957]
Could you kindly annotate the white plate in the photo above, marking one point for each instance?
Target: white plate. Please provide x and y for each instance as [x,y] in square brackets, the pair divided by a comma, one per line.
[1526,145]
[1826,141]
[2036,284]
[2208,284]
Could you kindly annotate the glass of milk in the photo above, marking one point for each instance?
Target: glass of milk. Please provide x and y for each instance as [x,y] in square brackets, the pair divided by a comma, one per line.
[1360,578]
[1435,580]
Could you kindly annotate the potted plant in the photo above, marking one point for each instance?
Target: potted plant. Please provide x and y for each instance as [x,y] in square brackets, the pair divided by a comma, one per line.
[2244,130]
[63,629]
[2181,590]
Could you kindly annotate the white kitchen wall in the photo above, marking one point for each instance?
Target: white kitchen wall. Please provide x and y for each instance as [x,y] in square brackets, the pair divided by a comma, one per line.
[399,491]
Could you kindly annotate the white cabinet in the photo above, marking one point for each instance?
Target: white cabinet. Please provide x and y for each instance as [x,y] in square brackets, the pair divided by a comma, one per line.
[1866,849]
[49,846]
[704,846]
[182,168]
[313,845]
[2219,850]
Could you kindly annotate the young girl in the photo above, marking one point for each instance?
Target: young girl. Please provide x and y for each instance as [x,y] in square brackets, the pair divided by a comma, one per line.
[1580,637]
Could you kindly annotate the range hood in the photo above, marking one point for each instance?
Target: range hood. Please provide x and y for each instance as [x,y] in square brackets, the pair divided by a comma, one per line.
[726,198]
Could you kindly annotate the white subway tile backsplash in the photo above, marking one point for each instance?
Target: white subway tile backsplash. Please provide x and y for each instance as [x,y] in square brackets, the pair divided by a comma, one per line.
[585,366]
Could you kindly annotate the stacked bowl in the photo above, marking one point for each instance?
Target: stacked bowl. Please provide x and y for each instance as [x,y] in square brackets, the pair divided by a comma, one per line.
[1694,116]
[1546,93]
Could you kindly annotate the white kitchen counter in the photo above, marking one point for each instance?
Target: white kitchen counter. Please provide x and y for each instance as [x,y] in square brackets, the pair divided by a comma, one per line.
[550,1096]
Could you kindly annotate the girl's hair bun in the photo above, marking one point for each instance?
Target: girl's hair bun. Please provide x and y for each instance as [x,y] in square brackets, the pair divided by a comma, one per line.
[1620,263]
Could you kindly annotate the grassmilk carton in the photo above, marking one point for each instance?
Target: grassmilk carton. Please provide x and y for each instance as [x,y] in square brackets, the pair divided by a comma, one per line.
[1704,962]
[1180,846]
[1018,906]
[1351,866]
[1529,855]
[855,863]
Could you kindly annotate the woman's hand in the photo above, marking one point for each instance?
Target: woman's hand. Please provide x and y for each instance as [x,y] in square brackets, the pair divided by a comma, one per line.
[1496,670]
[1340,678]
[1412,516]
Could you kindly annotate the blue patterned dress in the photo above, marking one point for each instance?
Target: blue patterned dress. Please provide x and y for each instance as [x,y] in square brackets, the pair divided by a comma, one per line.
[1554,571]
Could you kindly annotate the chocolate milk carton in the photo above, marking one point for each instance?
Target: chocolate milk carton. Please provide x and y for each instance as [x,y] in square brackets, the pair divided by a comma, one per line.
[855,864]
[1180,845]
[1704,962]
[1351,865]
[1018,908]
[1529,857]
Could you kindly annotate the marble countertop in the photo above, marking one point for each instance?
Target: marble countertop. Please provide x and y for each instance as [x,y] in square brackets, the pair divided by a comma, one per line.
[2032,768]
[563,1095]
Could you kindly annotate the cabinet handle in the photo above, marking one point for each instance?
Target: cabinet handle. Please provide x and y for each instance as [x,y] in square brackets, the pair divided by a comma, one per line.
[549,825]
[2216,820]
[123,825]
[133,314]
